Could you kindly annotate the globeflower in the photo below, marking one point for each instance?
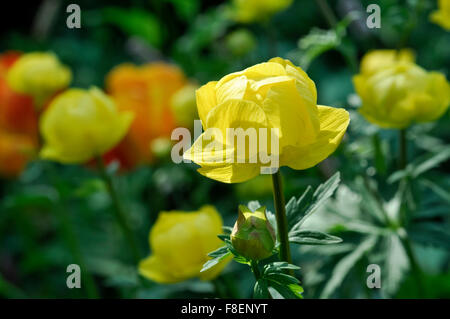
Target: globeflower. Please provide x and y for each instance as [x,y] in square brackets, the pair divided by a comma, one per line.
[146,91]
[180,242]
[247,11]
[274,95]
[39,75]
[442,15]
[396,92]
[79,125]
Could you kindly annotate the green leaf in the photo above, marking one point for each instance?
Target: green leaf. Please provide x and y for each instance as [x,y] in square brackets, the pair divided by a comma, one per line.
[322,193]
[431,162]
[260,291]
[282,278]
[343,267]
[219,252]
[135,22]
[311,237]
[218,255]
[444,194]
[279,291]
[278,267]
[430,234]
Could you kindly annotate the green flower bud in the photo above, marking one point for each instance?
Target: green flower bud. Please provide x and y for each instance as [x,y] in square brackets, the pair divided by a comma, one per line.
[240,42]
[253,236]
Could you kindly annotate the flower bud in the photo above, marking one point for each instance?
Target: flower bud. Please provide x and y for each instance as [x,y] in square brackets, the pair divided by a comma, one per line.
[253,236]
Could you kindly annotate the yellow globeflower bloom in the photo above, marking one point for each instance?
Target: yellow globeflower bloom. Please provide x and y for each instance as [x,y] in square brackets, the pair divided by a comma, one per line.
[442,15]
[79,125]
[247,11]
[180,243]
[40,75]
[376,60]
[398,93]
[275,96]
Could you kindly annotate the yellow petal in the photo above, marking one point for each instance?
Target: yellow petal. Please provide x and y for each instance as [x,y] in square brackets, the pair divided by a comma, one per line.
[295,117]
[155,269]
[206,100]
[333,124]
[231,173]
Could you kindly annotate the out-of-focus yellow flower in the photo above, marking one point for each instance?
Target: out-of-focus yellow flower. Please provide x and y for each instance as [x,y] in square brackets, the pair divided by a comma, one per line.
[442,15]
[399,92]
[184,106]
[40,75]
[376,60]
[247,11]
[180,243]
[79,125]
[273,95]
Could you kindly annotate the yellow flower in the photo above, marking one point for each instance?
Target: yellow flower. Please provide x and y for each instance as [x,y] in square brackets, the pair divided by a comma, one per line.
[275,95]
[184,106]
[442,15]
[247,11]
[40,75]
[398,92]
[180,243]
[81,124]
[376,60]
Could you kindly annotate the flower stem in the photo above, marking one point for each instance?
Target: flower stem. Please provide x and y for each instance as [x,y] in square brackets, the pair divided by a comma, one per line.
[118,210]
[327,13]
[282,227]
[402,149]
[255,269]
[68,233]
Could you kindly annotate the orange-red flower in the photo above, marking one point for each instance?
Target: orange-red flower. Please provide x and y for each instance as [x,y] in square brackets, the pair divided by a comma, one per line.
[146,91]
[18,123]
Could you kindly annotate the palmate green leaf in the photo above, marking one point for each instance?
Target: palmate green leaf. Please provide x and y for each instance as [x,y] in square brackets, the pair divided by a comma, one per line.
[343,267]
[430,234]
[442,193]
[280,291]
[218,255]
[299,210]
[260,291]
[311,237]
[396,265]
[278,266]
[421,165]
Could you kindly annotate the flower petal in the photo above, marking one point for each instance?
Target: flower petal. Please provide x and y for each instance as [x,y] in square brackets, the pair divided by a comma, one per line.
[333,124]
[206,100]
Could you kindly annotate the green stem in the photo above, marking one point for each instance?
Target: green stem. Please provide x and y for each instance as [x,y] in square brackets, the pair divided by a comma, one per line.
[327,12]
[282,227]
[118,211]
[255,269]
[69,235]
[402,149]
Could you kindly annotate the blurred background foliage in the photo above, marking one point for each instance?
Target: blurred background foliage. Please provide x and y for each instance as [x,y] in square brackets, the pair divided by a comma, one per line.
[36,244]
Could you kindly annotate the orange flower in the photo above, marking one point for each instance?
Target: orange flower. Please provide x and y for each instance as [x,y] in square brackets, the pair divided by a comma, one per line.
[15,152]
[146,91]
[18,123]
